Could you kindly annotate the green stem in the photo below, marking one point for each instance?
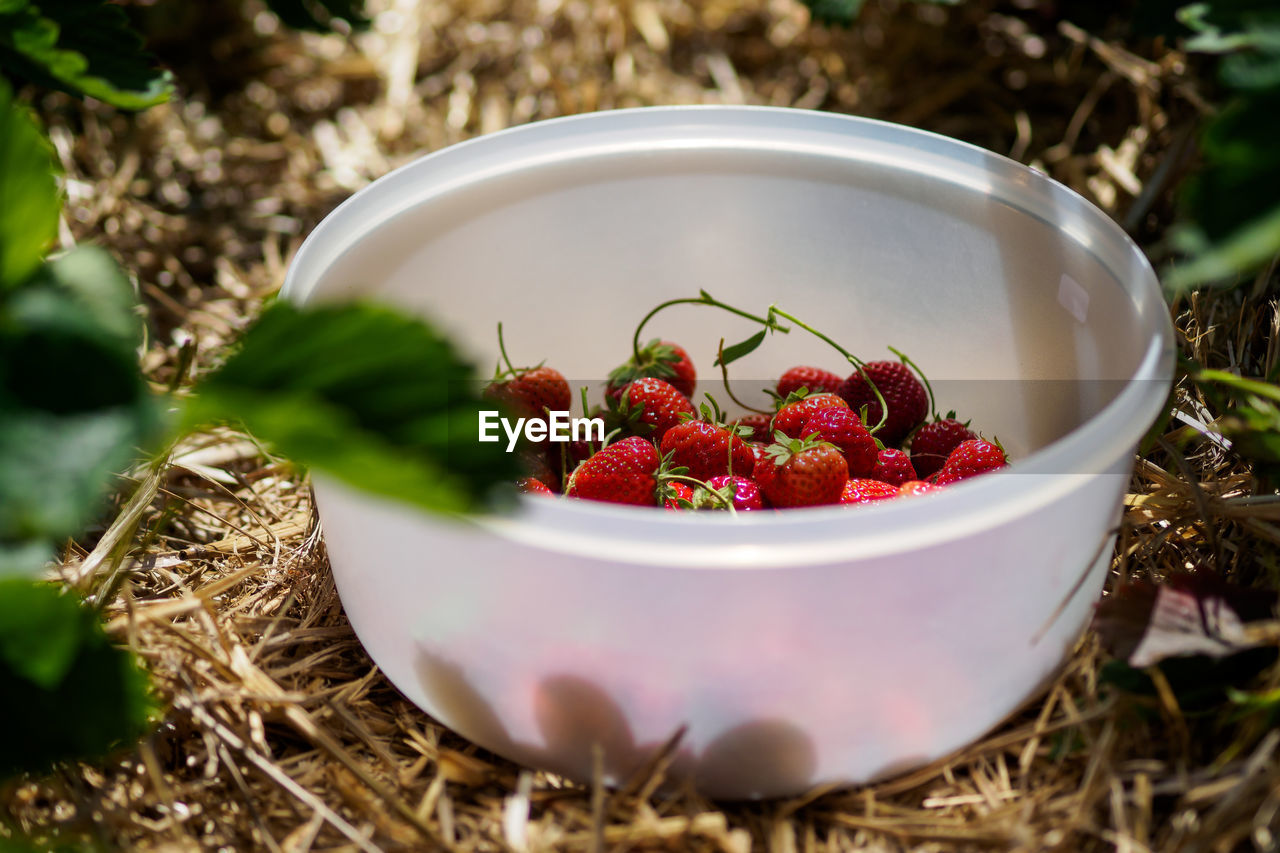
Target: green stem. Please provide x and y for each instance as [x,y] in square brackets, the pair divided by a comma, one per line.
[724,375]
[728,504]
[502,348]
[927,387]
[850,357]
[703,298]
[1240,383]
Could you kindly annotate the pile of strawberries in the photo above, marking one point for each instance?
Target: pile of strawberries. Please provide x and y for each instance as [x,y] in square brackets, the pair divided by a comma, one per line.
[828,441]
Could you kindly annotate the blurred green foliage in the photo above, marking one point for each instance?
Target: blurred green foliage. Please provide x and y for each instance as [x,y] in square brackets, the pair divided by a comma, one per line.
[1230,205]
[378,399]
[68,692]
[85,47]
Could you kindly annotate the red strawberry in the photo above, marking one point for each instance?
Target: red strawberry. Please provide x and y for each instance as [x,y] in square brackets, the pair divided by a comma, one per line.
[814,378]
[678,492]
[843,428]
[742,492]
[793,416]
[530,393]
[758,426]
[915,487]
[707,450]
[542,464]
[893,467]
[625,473]
[969,459]
[861,490]
[905,396]
[530,486]
[659,359]
[652,406]
[760,451]
[933,443]
[805,472]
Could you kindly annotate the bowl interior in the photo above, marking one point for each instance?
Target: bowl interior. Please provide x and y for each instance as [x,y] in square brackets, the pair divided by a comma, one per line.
[1027,314]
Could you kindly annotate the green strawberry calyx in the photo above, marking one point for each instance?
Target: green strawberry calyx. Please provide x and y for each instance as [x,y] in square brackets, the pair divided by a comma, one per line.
[785,448]
[668,473]
[655,359]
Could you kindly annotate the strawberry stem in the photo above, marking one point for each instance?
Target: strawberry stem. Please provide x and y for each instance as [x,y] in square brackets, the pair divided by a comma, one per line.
[927,387]
[852,359]
[724,375]
[703,298]
[502,348]
[728,504]
[586,413]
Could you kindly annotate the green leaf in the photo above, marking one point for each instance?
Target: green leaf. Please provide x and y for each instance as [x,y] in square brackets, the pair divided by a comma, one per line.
[1240,179]
[56,469]
[834,11]
[68,693]
[731,354]
[24,558]
[74,409]
[83,47]
[1245,250]
[375,398]
[86,289]
[29,202]
[845,11]
[39,631]
[318,15]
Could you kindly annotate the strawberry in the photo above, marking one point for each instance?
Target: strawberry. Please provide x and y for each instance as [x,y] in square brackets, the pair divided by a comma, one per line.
[754,427]
[743,492]
[659,359]
[530,393]
[679,496]
[793,416]
[843,428]
[530,486]
[805,472]
[625,472]
[933,443]
[707,450]
[760,451]
[650,407]
[542,464]
[903,394]
[969,459]
[915,487]
[893,467]
[861,490]
[814,378]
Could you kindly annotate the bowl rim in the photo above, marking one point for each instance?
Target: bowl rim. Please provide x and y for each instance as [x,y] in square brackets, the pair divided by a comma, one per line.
[1096,445]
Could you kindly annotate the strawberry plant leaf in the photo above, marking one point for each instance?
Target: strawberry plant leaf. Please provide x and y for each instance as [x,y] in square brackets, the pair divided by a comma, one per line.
[74,410]
[844,11]
[39,632]
[834,11]
[83,47]
[1250,419]
[379,400]
[731,354]
[318,15]
[67,690]
[29,202]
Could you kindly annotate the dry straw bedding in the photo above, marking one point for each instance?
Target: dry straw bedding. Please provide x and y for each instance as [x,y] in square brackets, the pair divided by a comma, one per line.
[279,733]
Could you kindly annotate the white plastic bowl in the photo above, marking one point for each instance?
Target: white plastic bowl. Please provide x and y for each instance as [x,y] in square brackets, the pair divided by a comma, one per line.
[798,647]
